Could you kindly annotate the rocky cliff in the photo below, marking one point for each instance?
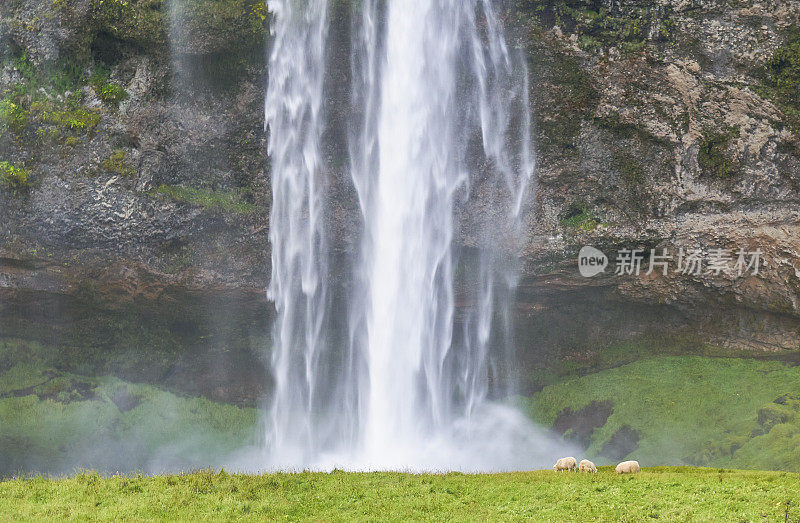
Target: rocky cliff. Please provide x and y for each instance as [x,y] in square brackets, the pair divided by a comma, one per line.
[669,126]
[135,182]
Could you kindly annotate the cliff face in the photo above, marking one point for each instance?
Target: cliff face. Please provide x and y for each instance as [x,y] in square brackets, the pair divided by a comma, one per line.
[672,125]
[135,187]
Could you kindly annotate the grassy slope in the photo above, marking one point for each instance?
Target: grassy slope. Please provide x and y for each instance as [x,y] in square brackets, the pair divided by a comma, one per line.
[688,409]
[672,494]
[695,410]
[50,419]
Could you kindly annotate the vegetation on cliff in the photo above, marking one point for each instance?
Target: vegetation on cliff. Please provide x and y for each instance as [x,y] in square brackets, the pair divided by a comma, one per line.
[117,164]
[714,156]
[229,201]
[45,107]
[109,92]
[599,27]
[783,77]
[13,177]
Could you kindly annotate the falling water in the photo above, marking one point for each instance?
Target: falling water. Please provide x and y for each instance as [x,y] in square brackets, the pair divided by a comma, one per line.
[438,144]
[299,247]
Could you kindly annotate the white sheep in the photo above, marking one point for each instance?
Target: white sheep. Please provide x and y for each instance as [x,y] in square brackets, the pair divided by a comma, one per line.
[628,467]
[586,466]
[565,464]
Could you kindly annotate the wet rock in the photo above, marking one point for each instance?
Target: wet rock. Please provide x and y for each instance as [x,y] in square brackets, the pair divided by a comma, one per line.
[621,443]
[578,426]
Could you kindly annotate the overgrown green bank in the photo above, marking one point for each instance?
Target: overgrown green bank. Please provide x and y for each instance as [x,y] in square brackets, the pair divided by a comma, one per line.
[681,410]
[51,420]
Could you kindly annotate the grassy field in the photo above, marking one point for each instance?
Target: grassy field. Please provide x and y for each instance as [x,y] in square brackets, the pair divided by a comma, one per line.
[691,410]
[668,493]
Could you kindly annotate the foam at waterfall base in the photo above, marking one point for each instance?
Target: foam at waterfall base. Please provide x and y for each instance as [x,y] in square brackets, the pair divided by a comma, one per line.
[497,438]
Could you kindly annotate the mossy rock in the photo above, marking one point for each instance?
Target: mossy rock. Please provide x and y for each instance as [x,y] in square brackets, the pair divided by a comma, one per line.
[773,414]
[108,92]
[214,26]
[599,26]
[714,156]
[62,420]
[579,218]
[140,23]
[117,164]
[231,201]
[790,400]
[566,97]
[13,177]
[714,450]
[781,79]
[12,117]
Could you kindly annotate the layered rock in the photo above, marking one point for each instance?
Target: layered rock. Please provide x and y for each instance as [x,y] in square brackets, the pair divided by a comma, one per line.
[659,126]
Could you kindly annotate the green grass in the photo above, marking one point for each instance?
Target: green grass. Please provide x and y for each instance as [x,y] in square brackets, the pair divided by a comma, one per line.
[668,493]
[690,410]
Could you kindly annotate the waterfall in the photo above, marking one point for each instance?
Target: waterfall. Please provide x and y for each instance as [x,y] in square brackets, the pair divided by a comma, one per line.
[439,144]
[298,285]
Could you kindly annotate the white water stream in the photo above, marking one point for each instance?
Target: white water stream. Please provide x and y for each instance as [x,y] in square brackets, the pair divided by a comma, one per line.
[408,387]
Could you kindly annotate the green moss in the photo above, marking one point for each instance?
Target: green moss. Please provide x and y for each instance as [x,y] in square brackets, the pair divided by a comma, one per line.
[713,155]
[117,164]
[631,47]
[569,97]
[782,79]
[623,129]
[25,67]
[47,417]
[12,117]
[784,66]
[76,120]
[590,44]
[137,21]
[243,21]
[599,27]
[587,359]
[109,93]
[578,218]
[46,118]
[13,177]
[229,201]
[686,409]
[46,104]
[773,414]
[629,167]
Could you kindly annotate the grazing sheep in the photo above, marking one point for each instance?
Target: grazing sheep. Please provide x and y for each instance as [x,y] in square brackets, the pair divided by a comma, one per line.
[586,466]
[565,464]
[628,467]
